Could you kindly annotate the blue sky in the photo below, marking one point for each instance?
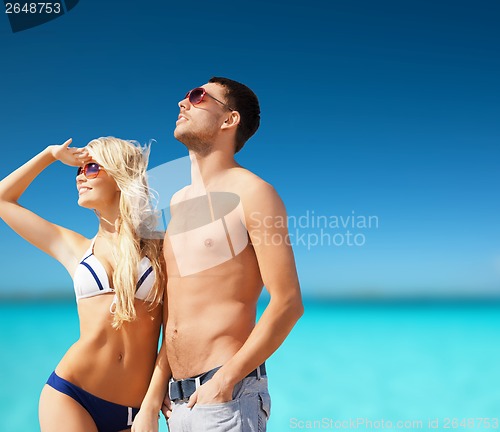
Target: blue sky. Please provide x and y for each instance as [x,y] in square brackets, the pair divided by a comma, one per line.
[387,109]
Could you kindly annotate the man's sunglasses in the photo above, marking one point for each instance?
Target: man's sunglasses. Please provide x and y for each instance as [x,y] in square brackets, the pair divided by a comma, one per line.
[196,95]
[90,170]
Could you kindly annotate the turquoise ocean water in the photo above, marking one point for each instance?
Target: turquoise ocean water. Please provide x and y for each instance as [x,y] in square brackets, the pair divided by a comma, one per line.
[378,366]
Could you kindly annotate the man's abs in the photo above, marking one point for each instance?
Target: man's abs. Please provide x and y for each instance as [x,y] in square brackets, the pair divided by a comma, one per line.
[207,339]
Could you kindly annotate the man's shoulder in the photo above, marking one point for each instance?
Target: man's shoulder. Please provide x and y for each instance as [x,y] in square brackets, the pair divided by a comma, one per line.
[246,181]
[254,192]
[179,196]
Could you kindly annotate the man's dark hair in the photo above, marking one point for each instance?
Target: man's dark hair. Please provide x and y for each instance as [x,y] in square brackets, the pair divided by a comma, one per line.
[242,99]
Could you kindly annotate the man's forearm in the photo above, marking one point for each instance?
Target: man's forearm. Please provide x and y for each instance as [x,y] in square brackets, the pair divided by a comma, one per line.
[269,333]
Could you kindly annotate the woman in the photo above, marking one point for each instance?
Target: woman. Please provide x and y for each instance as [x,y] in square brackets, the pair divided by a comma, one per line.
[101,381]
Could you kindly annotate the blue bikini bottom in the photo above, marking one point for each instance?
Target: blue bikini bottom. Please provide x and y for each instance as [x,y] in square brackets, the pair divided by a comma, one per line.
[108,416]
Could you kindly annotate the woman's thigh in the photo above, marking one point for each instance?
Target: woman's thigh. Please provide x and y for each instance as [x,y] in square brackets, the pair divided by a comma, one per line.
[60,413]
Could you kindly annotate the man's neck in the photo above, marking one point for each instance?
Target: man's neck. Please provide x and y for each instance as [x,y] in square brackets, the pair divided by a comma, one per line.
[206,169]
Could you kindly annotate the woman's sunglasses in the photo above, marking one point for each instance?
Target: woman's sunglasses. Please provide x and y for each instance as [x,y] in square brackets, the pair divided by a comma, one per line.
[196,95]
[90,170]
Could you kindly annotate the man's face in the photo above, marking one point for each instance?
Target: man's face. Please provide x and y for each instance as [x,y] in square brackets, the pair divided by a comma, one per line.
[198,125]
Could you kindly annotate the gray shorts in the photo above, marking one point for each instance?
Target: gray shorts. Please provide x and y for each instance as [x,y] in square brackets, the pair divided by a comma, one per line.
[247,412]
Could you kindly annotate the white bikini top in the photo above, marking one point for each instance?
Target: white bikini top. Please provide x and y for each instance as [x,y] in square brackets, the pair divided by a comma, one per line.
[90,278]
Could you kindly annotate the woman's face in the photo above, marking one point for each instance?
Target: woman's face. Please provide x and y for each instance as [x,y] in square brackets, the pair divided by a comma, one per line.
[96,188]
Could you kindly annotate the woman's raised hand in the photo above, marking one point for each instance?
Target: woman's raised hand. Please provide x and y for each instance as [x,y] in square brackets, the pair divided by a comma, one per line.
[72,156]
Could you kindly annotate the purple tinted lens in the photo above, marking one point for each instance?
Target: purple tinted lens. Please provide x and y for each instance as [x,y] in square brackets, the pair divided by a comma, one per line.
[91,170]
[79,171]
[196,95]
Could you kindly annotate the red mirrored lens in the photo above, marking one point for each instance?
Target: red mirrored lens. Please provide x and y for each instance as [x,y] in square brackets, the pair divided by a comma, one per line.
[196,95]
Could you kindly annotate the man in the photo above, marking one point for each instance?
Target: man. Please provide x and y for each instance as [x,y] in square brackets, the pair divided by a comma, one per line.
[227,238]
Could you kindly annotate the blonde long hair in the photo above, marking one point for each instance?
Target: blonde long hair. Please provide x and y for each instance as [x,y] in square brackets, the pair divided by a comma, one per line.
[126,162]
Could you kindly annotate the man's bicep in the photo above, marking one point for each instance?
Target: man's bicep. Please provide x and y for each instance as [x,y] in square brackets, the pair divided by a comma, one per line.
[267,226]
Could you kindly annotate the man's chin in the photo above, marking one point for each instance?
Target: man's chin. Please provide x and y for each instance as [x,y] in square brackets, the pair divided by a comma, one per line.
[181,138]
[193,142]
[183,135]
[177,133]
[185,138]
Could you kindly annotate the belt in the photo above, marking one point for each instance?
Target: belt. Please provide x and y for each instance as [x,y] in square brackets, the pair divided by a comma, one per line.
[181,390]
